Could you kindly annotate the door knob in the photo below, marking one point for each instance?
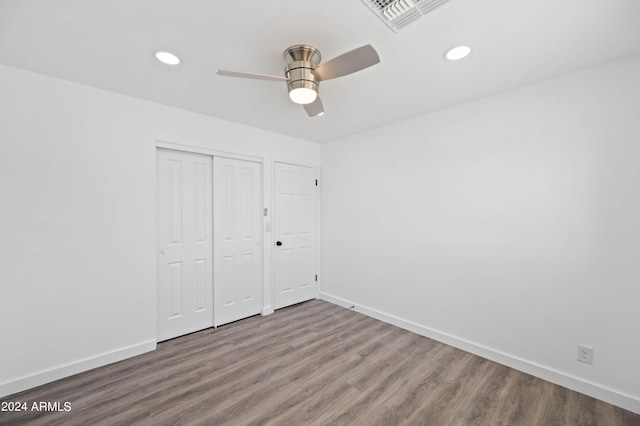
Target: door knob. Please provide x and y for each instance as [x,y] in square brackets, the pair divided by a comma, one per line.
[278,243]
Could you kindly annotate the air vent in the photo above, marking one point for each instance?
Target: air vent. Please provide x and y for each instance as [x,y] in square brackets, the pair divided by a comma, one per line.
[398,13]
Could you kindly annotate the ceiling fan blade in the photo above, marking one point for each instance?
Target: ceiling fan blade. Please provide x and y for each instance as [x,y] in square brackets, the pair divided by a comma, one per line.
[315,108]
[251,75]
[347,63]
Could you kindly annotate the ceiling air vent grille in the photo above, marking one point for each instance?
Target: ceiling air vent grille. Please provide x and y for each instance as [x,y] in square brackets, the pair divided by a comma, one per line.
[398,13]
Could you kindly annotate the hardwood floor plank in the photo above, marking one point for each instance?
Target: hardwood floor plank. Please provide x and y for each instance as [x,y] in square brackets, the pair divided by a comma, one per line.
[311,364]
[233,378]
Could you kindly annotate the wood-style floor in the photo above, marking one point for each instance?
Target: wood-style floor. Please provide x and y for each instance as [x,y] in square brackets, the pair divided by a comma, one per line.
[311,364]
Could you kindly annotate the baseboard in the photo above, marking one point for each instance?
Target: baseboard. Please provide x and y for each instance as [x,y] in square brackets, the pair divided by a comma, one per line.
[594,390]
[46,376]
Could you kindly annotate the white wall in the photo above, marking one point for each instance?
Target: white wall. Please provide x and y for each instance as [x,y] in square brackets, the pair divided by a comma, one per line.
[77,191]
[509,226]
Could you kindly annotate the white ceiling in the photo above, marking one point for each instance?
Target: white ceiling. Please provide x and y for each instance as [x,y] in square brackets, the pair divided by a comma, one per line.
[109,44]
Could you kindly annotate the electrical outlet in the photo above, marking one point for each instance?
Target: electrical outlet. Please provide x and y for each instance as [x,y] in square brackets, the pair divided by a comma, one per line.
[585,354]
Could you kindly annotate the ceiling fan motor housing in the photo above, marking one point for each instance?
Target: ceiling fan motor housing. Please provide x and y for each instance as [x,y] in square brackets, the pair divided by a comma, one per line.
[300,75]
[301,61]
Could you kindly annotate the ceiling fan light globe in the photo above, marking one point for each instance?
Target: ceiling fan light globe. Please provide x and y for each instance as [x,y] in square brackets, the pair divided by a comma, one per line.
[303,95]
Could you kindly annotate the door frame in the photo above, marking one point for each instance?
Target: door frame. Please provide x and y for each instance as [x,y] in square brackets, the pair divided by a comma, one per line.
[318,260]
[163,144]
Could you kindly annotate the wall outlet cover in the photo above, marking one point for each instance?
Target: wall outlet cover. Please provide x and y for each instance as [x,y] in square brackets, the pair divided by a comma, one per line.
[585,354]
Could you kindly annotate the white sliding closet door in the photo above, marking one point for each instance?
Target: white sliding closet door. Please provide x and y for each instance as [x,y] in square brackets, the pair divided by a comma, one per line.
[295,233]
[237,233]
[184,243]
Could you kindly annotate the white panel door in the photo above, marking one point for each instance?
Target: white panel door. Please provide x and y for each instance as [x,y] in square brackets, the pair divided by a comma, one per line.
[295,234]
[185,250]
[237,233]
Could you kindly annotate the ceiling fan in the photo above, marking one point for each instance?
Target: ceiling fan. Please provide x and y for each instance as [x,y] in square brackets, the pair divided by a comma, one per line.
[303,73]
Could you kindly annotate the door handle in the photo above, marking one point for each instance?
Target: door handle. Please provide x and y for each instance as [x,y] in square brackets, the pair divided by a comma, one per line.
[278,243]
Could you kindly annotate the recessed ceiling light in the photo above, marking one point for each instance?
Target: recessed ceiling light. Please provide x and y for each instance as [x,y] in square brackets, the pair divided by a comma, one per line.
[457,52]
[167,58]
